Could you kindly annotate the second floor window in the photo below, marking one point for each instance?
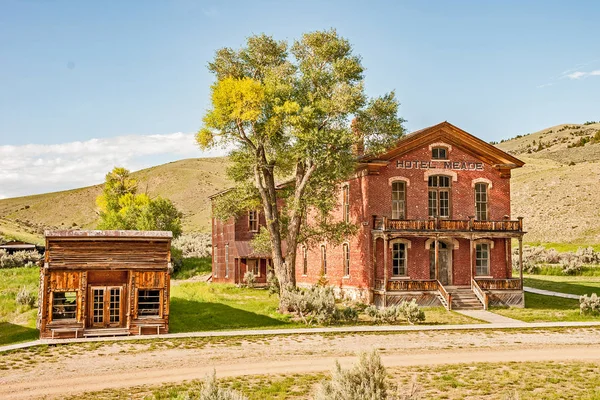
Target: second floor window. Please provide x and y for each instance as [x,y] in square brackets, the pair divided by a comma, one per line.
[481,201]
[346,203]
[253,221]
[439,196]
[346,250]
[398,200]
[398,259]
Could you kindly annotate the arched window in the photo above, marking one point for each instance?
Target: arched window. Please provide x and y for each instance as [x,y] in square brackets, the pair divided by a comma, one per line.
[398,200]
[439,201]
[346,251]
[439,153]
[324,259]
[481,201]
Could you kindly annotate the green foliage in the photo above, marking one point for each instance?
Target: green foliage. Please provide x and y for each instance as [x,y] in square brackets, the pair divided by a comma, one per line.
[365,381]
[286,113]
[121,208]
[249,279]
[18,259]
[317,305]
[209,390]
[273,283]
[409,311]
[589,305]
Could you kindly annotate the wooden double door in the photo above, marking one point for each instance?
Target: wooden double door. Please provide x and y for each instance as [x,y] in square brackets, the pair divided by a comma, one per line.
[106,306]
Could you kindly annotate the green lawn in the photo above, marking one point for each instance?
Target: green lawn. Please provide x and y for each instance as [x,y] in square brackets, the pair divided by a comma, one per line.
[17,323]
[540,308]
[193,266]
[578,285]
[564,247]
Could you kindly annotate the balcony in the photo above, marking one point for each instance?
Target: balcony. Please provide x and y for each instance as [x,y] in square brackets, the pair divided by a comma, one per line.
[381,223]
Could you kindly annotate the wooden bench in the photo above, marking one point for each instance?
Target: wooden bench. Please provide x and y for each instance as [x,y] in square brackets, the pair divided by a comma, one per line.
[59,330]
[157,326]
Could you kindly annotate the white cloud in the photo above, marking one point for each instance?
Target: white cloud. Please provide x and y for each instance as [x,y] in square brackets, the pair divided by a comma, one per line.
[576,75]
[38,168]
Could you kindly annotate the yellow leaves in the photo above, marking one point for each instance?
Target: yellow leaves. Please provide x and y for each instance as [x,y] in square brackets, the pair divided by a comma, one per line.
[235,100]
[205,138]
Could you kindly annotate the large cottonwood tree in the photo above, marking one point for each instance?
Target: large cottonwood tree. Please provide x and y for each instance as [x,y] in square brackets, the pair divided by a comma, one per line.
[286,112]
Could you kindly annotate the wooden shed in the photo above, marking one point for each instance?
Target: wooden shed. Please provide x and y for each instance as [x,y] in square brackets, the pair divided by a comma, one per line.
[105,283]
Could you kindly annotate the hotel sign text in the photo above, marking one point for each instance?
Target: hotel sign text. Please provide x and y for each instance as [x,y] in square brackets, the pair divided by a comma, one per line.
[453,165]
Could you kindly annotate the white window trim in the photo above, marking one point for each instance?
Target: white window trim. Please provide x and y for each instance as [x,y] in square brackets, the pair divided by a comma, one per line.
[441,144]
[399,179]
[439,171]
[480,241]
[406,244]
[324,265]
[481,180]
[455,243]
[344,260]
[304,260]
[346,186]
[490,244]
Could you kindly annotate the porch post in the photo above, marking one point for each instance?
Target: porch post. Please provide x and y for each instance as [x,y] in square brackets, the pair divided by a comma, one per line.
[385,268]
[521,260]
[436,259]
[374,262]
[471,256]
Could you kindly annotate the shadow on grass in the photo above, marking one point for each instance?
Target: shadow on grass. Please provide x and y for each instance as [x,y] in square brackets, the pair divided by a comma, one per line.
[11,333]
[540,302]
[189,316]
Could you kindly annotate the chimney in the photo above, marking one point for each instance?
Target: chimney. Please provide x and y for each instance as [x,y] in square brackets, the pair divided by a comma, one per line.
[358,148]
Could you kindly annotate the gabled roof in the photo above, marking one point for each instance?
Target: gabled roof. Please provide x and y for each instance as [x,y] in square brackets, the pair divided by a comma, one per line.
[453,135]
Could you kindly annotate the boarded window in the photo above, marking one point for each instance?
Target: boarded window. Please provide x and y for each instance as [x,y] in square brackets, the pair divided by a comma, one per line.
[482,259]
[481,201]
[346,250]
[64,305]
[398,200]
[148,303]
[398,259]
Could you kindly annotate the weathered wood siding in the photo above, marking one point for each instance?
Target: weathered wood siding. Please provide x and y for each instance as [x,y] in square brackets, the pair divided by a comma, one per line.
[107,254]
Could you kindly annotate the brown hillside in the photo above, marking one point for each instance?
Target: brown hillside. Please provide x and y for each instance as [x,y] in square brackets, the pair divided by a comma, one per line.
[558,190]
[187,183]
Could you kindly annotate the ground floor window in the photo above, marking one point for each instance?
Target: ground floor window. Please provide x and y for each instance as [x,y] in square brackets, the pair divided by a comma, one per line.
[346,249]
[64,305]
[253,266]
[399,259]
[324,260]
[148,303]
[482,259]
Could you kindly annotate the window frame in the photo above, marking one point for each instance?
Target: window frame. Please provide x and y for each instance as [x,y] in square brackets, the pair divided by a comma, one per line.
[53,305]
[324,259]
[438,156]
[479,202]
[253,220]
[304,261]
[160,302]
[402,249]
[346,259]
[478,258]
[227,260]
[434,195]
[346,202]
[399,204]
[215,260]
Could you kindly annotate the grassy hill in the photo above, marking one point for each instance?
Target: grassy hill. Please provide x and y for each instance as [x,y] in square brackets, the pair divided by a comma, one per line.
[187,183]
[557,191]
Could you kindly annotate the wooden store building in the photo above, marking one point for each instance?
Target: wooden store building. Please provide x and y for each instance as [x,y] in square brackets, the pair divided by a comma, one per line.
[104,283]
[434,220]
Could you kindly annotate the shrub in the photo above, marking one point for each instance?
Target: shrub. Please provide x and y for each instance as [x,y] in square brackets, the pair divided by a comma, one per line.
[19,259]
[349,314]
[410,311]
[365,381]
[249,279]
[194,245]
[273,283]
[26,297]
[316,304]
[571,266]
[589,305]
[176,259]
[210,390]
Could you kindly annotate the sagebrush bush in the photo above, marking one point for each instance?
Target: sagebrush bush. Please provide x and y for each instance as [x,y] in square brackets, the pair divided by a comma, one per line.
[26,297]
[316,304]
[249,279]
[194,244]
[273,283]
[19,259]
[210,390]
[589,305]
[570,263]
[365,381]
[410,311]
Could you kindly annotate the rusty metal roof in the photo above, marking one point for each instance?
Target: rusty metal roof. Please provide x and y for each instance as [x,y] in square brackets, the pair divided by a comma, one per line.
[108,233]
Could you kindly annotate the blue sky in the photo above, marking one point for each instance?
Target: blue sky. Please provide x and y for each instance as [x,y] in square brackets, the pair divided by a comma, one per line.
[135,72]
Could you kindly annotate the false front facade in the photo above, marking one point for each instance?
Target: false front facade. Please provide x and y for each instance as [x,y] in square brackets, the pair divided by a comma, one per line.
[434,224]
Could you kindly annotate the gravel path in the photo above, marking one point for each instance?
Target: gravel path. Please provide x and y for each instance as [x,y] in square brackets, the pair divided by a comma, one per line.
[126,364]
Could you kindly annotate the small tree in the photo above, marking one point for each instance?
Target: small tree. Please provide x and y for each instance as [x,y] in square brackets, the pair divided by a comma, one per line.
[122,208]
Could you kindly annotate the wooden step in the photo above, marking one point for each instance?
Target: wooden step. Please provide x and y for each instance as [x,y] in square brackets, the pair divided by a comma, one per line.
[106,332]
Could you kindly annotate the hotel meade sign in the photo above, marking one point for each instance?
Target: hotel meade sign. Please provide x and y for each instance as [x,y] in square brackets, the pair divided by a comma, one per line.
[452,165]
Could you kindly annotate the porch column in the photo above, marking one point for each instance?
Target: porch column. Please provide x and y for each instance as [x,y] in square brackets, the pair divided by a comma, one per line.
[385,268]
[436,259]
[471,256]
[521,260]
[374,263]
[508,263]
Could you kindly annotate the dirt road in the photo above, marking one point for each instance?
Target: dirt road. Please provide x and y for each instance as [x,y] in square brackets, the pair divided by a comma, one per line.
[120,365]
